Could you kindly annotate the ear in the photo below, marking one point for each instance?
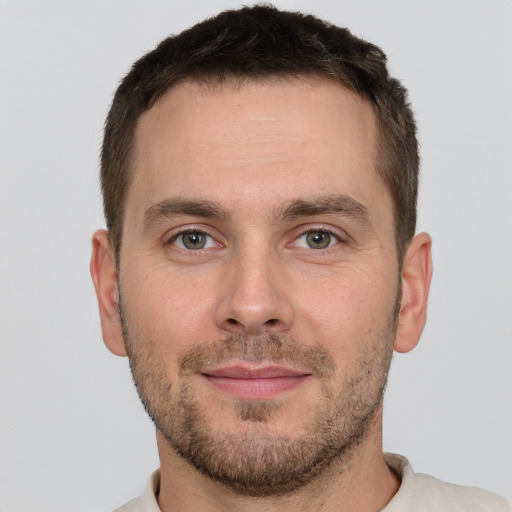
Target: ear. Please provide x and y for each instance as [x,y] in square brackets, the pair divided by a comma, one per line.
[104,276]
[416,277]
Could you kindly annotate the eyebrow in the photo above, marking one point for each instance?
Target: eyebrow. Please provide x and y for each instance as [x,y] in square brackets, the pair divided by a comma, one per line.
[325,205]
[322,205]
[176,206]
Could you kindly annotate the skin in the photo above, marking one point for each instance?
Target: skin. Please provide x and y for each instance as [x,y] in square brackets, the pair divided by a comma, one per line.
[252,151]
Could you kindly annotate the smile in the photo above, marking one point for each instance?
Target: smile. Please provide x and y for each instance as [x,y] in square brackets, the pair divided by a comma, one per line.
[255,384]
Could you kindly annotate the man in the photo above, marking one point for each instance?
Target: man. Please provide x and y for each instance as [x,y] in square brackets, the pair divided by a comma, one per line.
[259,175]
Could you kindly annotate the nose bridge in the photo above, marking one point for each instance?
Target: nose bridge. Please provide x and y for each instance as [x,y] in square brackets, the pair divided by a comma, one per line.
[252,298]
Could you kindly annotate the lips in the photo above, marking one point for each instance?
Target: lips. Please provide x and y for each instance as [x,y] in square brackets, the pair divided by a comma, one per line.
[255,383]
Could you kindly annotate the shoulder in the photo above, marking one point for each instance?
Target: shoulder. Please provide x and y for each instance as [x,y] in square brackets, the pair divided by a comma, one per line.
[131,506]
[437,494]
[147,501]
[424,493]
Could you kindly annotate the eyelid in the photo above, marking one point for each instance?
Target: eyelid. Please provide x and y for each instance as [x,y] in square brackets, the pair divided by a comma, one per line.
[298,232]
[304,229]
[171,236]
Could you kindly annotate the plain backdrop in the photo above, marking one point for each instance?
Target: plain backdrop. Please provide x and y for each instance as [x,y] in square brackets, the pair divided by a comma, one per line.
[73,436]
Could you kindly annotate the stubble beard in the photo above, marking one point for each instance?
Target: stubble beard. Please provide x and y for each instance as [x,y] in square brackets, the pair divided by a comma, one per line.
[252,462]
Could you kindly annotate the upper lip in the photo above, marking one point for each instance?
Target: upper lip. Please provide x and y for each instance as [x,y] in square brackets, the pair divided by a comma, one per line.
[243,372]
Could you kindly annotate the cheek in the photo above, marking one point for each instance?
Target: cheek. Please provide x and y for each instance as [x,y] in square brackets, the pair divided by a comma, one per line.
[346,311]
[165,310]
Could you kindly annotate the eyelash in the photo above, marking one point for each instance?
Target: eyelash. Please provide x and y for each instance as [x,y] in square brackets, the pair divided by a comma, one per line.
[300,233]
[191,229]
[332,238]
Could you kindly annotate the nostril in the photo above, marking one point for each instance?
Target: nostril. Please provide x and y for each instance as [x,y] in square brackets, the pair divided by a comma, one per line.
[249,327]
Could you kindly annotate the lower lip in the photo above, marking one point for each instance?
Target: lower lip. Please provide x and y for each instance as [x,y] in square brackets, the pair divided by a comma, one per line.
[256,389]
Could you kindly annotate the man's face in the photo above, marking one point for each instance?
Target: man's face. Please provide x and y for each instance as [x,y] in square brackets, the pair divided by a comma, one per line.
[258,277]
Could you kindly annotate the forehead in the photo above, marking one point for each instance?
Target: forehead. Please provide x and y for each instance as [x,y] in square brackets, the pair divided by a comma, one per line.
[256,141]
[188,106]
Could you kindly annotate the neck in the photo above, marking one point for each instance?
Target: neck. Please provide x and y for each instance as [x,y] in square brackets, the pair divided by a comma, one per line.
[360,482]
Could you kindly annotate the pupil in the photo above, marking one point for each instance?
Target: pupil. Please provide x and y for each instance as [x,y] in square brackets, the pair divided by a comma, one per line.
[194,240]
[318,239]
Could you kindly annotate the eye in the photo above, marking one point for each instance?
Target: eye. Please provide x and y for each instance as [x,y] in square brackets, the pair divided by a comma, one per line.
[193,240]
[317,239]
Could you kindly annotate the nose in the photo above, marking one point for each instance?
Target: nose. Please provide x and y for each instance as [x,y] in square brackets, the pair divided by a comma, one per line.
[254,296]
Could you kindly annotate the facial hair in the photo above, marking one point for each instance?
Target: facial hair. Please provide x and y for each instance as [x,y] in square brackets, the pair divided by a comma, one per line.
[253,461]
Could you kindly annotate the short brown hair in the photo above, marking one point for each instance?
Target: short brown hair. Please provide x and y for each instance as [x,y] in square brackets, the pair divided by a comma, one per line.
[256,43]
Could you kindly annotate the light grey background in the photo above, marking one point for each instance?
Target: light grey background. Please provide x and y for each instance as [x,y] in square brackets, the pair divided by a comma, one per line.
[73,436]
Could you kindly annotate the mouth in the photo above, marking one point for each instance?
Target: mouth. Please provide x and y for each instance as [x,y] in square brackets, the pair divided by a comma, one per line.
[255,383]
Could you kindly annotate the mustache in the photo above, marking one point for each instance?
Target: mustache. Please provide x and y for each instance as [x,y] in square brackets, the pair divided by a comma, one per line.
[273,348]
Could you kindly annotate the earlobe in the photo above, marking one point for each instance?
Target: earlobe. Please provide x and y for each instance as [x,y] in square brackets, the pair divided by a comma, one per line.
[104,276]
[416,278]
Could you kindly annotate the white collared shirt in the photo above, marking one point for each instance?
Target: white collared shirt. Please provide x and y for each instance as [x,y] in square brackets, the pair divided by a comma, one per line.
[417,493]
